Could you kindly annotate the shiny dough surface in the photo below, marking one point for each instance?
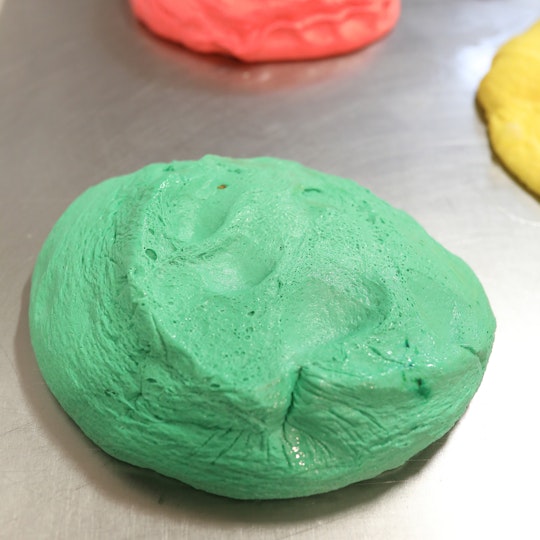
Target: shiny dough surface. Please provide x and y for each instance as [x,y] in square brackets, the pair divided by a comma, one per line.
[255,328]
[510,98]
[256,31]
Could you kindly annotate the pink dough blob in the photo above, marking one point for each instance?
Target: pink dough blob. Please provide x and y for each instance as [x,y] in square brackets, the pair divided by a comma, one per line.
[269,30]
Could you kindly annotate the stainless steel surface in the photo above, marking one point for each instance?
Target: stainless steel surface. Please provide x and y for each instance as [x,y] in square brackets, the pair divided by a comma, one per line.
[86,94]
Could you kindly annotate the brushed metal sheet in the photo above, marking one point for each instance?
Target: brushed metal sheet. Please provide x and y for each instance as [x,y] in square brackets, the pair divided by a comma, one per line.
[85,94]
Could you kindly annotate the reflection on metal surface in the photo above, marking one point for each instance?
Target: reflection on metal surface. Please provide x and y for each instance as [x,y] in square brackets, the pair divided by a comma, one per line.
[473,61]
[230,74]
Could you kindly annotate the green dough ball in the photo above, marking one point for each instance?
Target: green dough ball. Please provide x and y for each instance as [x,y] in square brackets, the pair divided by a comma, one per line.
[255,328]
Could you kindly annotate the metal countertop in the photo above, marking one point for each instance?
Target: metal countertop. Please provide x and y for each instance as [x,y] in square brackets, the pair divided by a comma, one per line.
[85,94]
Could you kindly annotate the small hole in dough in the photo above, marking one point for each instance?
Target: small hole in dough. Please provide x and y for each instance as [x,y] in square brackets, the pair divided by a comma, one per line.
[151,254]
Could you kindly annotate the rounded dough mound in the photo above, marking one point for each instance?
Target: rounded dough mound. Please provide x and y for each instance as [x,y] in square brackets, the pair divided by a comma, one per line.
[255,328]
[510,98]
[256,31]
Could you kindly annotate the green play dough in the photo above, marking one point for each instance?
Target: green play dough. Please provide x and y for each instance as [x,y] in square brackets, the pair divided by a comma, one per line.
[255,328]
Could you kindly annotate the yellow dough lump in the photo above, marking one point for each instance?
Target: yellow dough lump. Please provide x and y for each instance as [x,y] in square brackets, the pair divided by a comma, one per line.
[510,98]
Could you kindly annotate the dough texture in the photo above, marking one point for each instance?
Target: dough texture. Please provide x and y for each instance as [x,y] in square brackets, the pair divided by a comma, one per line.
[255,328]
[256,31]
[510,98]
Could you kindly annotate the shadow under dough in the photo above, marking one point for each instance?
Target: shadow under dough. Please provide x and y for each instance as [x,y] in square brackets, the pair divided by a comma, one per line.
[481,115]
[156,60]
[150,491]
